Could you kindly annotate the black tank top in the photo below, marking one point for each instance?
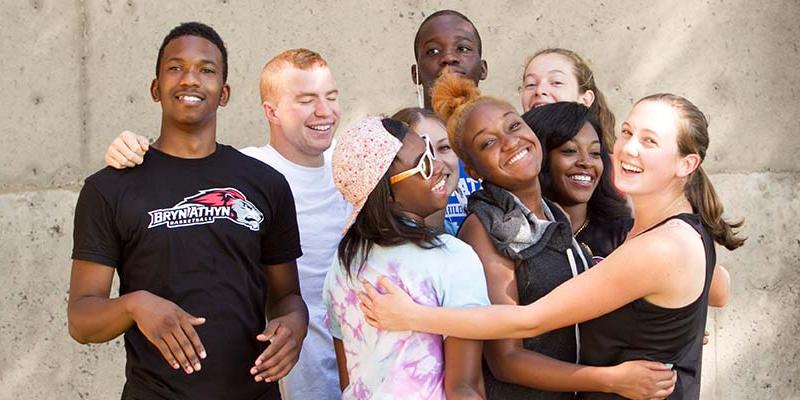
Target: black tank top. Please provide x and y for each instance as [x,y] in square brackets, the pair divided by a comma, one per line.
[643,331]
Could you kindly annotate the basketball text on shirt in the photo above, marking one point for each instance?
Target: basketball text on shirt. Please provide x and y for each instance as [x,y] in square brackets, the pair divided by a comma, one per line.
[207,206]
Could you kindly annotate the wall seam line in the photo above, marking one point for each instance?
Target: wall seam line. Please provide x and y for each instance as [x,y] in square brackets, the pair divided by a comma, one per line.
[84,86]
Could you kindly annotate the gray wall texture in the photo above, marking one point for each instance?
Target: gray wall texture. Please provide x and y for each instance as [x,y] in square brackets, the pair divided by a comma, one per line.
[75,73]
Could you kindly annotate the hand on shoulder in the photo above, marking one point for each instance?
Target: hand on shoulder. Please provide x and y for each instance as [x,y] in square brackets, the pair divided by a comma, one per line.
[126,150]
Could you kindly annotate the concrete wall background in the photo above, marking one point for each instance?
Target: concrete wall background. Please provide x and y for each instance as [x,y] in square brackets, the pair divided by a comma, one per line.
[75,73]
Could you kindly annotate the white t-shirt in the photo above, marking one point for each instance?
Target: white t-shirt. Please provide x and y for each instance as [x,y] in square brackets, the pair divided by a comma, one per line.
[321,213]
[401,364]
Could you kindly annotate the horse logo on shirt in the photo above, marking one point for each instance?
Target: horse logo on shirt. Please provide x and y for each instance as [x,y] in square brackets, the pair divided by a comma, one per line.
[207,206]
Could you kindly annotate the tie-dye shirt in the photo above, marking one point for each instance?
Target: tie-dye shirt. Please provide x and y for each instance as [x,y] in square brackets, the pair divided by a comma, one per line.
[401,364]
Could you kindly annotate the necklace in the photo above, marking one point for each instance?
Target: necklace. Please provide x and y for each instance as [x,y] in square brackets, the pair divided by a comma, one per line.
[585,223]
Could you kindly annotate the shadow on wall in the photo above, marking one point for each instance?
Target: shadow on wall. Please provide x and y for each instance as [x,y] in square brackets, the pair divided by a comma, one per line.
[738,80]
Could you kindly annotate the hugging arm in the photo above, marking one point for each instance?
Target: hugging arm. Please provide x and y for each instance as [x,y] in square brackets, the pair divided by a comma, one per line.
[637,269]
[510,362]
[341,364]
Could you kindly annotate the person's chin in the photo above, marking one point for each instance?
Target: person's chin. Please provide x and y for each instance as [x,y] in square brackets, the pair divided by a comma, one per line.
[438,205]
[440,199]
[189,119]
[579,198]
[628,188]
[321,144]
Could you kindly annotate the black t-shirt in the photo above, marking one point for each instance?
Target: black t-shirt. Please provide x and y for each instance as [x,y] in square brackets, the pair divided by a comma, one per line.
[196,232]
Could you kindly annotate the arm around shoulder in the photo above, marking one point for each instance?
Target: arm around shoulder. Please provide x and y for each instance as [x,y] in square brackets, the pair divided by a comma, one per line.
[126,150]
[635,270]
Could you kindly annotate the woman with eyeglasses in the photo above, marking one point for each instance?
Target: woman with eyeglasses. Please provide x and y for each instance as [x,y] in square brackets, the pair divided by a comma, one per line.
[394,181]
[424,122]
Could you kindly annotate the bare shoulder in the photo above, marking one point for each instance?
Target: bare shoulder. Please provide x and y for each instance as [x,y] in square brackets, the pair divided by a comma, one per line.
[473,232]
[675,237]
[655,252]
[679,227]
[672,239]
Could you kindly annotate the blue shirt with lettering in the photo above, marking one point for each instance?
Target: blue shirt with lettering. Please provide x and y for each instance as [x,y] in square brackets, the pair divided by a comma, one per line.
[456,210]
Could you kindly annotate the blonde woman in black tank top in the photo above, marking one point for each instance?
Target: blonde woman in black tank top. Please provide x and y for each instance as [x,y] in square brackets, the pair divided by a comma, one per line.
[663,271]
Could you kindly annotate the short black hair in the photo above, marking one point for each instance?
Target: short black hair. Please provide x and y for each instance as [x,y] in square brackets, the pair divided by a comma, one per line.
[200,30]
[442,13]
[554,124]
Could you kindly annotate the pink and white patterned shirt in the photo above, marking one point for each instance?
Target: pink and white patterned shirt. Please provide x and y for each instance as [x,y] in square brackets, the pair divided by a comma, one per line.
[401,364]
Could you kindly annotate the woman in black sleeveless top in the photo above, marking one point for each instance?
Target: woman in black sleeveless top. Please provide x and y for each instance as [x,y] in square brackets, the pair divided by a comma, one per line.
[669,335]
[662,273]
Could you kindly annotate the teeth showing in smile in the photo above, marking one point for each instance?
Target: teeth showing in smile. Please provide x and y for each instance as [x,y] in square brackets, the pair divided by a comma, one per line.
[190,99]
[439,186]
[522,153]
[631,168]
[581,178]
[320,128]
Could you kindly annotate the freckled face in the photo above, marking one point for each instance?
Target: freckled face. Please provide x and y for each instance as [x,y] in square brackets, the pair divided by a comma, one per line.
[308,108]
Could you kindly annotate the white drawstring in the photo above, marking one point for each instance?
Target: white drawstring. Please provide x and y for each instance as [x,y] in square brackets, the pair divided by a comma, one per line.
[580,253]
[572,263]
[574,266]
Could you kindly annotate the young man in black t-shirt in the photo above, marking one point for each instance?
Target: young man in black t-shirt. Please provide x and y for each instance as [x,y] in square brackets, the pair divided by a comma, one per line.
[204,240]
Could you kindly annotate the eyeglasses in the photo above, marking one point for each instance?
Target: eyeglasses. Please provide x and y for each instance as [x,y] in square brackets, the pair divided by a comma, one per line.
[424,167]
